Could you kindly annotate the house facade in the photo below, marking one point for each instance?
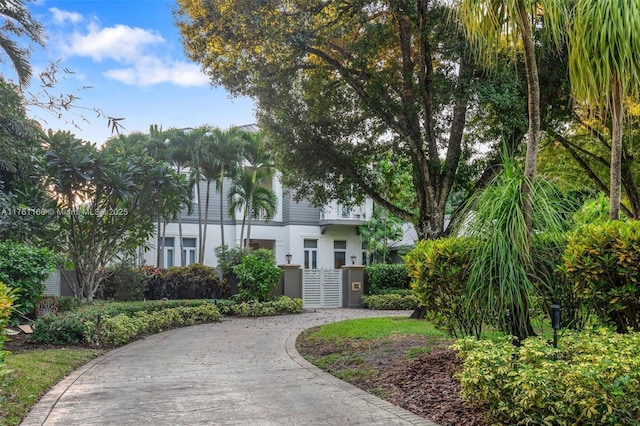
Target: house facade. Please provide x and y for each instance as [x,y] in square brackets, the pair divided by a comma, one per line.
[315,237]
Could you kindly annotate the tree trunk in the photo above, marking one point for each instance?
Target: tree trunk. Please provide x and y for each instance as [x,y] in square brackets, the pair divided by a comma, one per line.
[616,150]
[221,206]
[206,222]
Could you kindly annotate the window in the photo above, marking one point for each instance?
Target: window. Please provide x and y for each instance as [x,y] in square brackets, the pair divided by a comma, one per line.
[169,257]
[339,254]
[311,254]
[189,250]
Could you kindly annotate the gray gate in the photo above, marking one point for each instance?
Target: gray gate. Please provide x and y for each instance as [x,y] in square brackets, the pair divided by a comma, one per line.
[322,288]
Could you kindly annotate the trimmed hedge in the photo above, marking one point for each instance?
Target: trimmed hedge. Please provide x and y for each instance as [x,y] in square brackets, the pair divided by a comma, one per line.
[602,262]
[195,281]
[592,379]
[281,305]
[391,301]
[382,277]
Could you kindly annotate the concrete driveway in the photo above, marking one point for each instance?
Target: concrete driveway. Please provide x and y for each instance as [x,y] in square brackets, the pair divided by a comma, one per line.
[241,371]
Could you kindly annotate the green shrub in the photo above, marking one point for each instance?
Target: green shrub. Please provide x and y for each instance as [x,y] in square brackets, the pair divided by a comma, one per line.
[592,379]
[195,281]
[554,285]
[602,262]
[123,283]
[384,277]
[258,276]
[67,304]
[391,301]
[6,301]
[281,305]
[25,269]
[119,324]
[67,328]
[439,271]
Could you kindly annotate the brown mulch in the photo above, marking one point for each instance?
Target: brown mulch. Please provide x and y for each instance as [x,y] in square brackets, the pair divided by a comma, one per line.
[422,383]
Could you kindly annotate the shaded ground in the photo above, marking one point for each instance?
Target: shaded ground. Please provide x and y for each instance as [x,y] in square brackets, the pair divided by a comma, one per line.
[414,372]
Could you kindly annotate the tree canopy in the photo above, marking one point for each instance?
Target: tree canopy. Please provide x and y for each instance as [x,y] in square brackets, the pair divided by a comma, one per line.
[341,86]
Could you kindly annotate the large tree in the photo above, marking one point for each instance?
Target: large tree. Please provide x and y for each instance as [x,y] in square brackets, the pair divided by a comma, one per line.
[339,85]
[106,202]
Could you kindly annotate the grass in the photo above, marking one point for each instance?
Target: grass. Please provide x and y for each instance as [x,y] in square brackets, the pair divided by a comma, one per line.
[31,374]
[376,328]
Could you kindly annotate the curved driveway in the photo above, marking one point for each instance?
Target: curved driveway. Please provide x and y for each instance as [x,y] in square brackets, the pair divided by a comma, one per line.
[241,371]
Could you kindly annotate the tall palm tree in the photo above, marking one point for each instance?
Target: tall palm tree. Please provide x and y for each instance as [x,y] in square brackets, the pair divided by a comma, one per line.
[245,196]
[180,155]
[18,22]
[221,157]
[603,41]
[260,166]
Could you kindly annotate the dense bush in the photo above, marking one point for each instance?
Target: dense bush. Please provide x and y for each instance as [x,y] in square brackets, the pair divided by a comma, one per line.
[195,281]
[281,305]
[439,271]
[6,301]
[112,309]
[258,276]
[553,283]
[120,324]
[391,301]
[124,283]
[25,269]
[592,379]
[384,277]
[602,262]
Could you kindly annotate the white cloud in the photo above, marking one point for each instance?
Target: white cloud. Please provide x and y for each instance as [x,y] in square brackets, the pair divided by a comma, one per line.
[61,16]
[120,43]
[150,70]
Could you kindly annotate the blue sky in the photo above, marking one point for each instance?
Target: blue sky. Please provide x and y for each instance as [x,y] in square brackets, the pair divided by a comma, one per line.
[127,61]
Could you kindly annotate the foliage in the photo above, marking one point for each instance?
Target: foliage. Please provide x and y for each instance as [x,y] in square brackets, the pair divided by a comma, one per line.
[439,271]
[390,75]
[195,281]
[281,305]
[592,379]
[378,232]
[6,301]
[593,210]
[121,323]
[25,270]
[602,261]
[553,283]
[230,257]
[123,283]
[502,278]
[384,277]
[107,201]
[391,301]
[258,276]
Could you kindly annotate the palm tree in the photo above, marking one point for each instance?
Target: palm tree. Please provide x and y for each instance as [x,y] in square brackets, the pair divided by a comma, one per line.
[18,22]
[603,41]
[221,156]
[180,154]
[260,166]
[244,195]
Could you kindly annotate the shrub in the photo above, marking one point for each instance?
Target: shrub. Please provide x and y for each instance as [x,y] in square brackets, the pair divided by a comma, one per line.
[593,379]
[554,285]
[123,283]
[25,269]
[384,277]
[68,328]
[602,262]
[281,305]
[195,281]
[258,276]
[391,301]
[6,301]
[439,271]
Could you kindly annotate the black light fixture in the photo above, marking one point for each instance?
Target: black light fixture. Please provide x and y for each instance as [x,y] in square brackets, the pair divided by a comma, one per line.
[555,323]
[289,256]
[353,259]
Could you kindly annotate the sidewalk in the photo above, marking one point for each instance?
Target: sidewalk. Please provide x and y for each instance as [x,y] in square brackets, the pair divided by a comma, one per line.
[242,371]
